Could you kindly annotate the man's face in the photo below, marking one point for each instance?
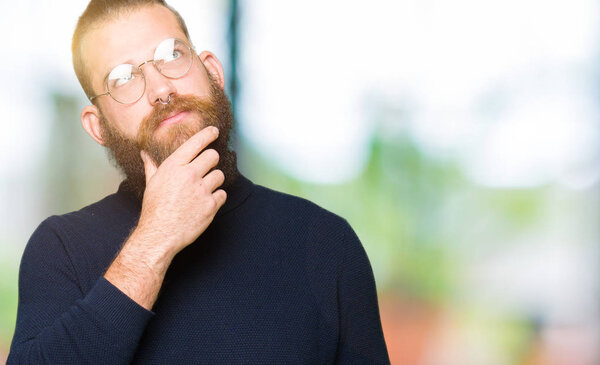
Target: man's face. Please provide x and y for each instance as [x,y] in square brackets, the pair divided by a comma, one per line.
[196,99]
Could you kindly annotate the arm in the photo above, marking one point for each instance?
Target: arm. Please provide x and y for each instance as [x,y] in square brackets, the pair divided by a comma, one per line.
[57,323]
[361,336]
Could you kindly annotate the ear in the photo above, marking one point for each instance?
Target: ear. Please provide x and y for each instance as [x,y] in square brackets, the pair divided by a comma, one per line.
[90,120]
[213,67]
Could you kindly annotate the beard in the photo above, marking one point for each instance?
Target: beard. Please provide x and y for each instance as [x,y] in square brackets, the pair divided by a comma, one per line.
[214,110]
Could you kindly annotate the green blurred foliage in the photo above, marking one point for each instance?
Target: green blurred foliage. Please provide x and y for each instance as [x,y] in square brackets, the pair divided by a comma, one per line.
[77,171]
[8,293]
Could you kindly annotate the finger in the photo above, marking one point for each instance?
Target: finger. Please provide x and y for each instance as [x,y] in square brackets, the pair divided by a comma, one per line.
[192,147]
[213,179]
[205,161]
[220,197]
[149,165]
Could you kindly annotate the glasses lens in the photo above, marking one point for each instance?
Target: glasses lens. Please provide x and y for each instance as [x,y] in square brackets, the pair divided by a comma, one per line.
[173,58]
[126,83]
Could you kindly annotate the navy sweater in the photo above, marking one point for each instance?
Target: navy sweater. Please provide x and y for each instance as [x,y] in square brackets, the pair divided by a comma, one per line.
[274,279]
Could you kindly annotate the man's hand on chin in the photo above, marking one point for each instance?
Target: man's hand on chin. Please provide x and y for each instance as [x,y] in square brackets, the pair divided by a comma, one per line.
[181,197]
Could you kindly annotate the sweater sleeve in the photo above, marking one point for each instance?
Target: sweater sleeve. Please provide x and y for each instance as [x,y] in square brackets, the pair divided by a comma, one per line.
[361,335]
[57,323]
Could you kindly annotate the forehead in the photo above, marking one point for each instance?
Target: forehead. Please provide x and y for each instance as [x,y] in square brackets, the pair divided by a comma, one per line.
[131,37]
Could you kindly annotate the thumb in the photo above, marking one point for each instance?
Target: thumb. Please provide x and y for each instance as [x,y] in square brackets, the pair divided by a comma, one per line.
[149,165]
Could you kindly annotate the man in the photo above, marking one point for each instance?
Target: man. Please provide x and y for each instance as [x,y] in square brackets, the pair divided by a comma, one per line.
[188,262]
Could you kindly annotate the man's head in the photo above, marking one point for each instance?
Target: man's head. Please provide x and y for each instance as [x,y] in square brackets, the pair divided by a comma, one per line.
[110,34]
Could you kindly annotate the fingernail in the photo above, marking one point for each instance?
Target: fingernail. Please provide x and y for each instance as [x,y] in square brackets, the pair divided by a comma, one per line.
[215,130]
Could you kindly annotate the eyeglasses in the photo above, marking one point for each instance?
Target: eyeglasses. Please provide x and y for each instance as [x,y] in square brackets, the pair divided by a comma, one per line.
[126,83]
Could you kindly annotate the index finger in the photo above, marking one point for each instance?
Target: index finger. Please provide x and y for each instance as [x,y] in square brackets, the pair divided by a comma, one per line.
[196,143]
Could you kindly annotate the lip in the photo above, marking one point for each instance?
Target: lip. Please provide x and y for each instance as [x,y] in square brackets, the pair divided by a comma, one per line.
[174,119]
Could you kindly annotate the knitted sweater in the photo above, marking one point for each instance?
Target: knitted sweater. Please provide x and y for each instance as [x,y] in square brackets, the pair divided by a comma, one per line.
[274,279]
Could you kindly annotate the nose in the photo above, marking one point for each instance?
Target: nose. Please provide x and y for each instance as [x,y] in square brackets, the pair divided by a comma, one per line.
[159,88]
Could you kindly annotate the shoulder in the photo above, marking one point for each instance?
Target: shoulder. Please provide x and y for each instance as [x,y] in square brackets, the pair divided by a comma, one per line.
[298,219]
[113,207]
[55,232]
[110,217]
[85,239]
[47,237]
[300,210]
[45,256]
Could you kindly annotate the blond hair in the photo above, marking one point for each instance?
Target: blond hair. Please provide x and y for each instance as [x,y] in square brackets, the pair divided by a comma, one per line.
[97,12]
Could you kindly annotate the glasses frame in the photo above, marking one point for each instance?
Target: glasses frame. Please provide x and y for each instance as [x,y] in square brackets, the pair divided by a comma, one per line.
[139,67]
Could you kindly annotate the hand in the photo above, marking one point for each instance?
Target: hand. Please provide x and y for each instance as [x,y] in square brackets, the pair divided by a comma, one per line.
[181,197]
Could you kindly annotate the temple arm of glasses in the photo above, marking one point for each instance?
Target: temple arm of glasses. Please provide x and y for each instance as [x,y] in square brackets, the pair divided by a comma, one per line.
[96,96]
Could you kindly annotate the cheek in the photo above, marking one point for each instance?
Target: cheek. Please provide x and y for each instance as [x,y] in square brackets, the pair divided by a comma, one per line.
[127,121]
[195,82]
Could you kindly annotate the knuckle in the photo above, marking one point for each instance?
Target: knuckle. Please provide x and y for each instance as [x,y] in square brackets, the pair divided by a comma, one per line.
[221,196]
[211,204]
[189,176]
[198,139]
[206,134]
[205,140]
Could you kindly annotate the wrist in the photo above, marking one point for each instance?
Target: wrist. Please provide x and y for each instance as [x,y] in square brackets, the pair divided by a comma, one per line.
[150,248]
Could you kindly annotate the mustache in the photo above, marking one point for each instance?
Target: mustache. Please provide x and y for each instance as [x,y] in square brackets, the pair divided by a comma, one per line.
[178,104]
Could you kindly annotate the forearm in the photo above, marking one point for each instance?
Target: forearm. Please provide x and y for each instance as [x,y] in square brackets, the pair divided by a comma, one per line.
[140,267]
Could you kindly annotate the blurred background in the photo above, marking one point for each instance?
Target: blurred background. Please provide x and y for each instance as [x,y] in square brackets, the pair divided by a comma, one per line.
[459,138]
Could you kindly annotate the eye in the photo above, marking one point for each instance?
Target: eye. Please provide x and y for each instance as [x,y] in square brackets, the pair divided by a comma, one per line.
[175,55]
[121,75]
[123,80]
[166,51]
[172,58]
[170,50]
